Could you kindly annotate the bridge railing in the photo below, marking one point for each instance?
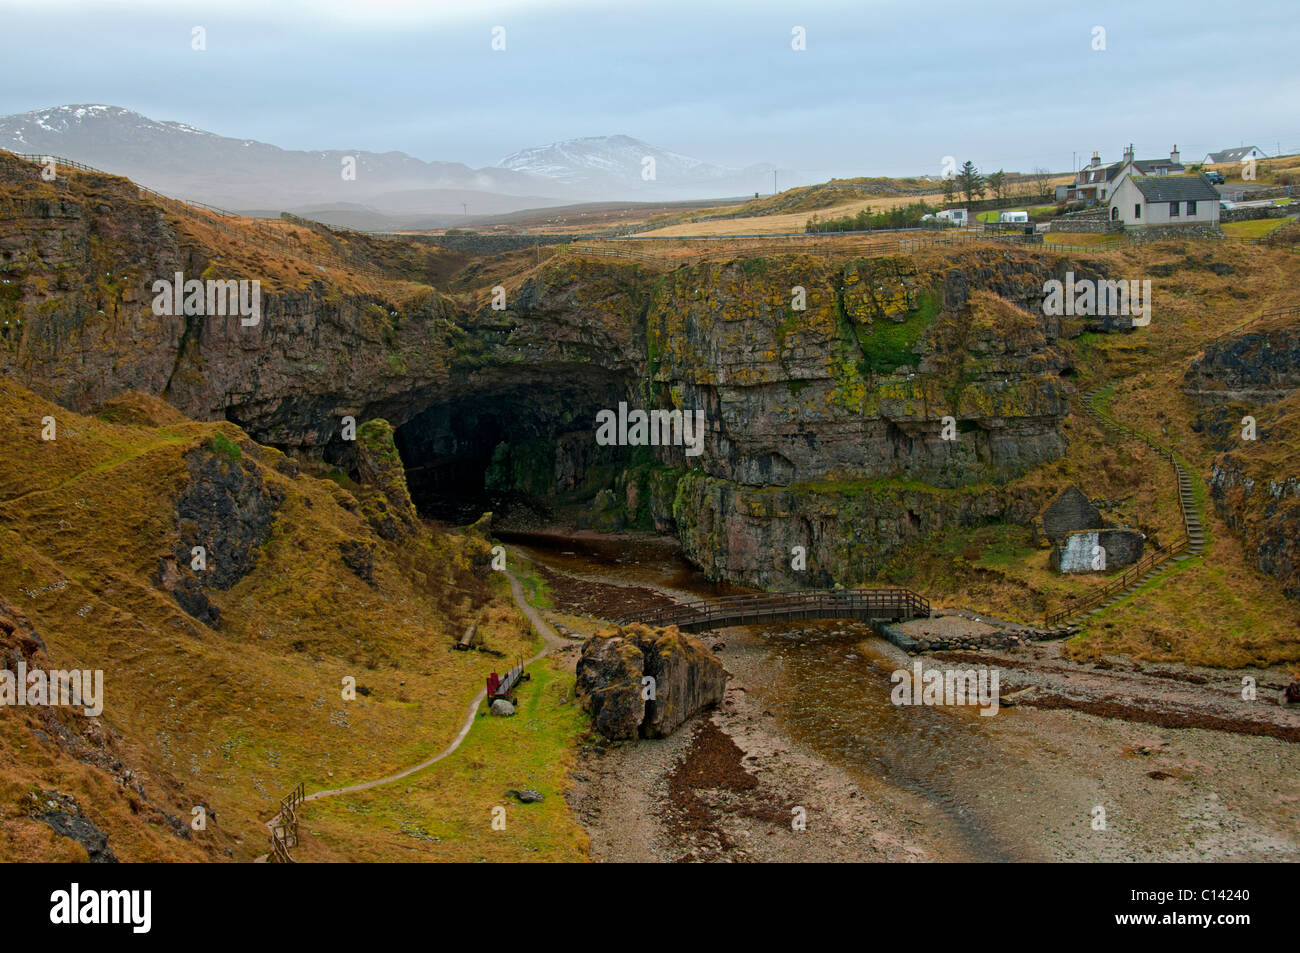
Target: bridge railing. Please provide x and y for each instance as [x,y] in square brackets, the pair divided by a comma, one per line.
[883,603]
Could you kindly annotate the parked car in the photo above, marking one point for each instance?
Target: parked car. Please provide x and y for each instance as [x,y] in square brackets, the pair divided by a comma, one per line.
[1216,178]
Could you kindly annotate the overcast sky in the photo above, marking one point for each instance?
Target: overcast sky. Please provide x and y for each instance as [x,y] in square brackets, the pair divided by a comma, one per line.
[883,87]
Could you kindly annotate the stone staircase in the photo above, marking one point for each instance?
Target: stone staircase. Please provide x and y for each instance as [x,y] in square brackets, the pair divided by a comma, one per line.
[1157,562]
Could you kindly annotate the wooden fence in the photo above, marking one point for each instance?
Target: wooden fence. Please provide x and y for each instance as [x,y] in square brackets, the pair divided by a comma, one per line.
[284,826]
[1121,583]
[1276,313]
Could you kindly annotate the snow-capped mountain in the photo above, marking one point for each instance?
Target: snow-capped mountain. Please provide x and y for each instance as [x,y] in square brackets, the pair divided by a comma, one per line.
[180,160]
[611,166]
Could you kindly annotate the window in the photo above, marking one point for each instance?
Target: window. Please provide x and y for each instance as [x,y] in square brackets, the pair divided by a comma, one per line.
[1191,208]
[1173,209]
[1137,210]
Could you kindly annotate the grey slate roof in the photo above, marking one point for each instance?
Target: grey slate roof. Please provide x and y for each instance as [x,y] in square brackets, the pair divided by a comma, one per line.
[1146,165]
[1176,188]
[1107,173]
[1231,155]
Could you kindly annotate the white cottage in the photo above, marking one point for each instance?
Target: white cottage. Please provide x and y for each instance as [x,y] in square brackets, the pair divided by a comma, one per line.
[1240,154]
[1145,201]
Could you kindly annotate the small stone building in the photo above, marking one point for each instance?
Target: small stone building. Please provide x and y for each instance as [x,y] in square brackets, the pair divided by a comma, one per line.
[1069,512]
[1079,551]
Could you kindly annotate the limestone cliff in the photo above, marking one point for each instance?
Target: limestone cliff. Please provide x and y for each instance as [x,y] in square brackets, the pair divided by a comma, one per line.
[826,377]
[1255,482]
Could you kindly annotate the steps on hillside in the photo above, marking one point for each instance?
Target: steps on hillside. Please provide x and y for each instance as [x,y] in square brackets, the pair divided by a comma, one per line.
[1192,524]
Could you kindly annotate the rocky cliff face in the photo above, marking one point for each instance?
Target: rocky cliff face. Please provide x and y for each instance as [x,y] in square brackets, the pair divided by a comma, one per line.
[847,532]
[1255,483]
[1266,512]
[856,383]
[807,372]
[1254,367]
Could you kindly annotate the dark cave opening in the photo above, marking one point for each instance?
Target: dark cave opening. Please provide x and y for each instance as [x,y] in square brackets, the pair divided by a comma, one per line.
[521,449]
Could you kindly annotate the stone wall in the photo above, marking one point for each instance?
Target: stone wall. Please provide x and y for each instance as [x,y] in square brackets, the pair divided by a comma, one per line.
[1075,553]
[1156,233]
[1088,226]
[1257,212]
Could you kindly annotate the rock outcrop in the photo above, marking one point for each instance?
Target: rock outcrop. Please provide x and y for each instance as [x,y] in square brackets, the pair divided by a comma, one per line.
[1253,367]
[809,373]
[685,677]
[848,531]
[1249,379]
[1265,511]
[387,507]
[226,510]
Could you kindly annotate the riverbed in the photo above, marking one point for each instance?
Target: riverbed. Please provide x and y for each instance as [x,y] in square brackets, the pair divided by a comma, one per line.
[809,759]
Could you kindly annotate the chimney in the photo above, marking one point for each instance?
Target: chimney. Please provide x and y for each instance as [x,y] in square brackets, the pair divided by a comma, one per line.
[1128,153]
[1173,156]
[1096,159]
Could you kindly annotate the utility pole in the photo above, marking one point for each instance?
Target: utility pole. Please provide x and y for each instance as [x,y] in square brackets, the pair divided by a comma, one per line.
[464,208]
[774,181]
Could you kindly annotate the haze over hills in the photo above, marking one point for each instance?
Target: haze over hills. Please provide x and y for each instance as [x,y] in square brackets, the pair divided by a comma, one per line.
[390,189]
[616,166]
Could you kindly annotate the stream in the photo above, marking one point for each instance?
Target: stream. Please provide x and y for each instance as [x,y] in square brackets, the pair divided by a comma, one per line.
[828,686]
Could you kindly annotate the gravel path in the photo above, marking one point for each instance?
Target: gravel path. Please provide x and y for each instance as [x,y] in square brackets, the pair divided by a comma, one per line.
[552,642]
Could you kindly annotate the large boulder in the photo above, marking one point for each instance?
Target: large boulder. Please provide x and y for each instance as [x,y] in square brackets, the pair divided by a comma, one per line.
[611,672]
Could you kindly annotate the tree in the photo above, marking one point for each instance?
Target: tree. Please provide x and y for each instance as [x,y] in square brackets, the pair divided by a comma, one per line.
[998,183]
[1041,178]
[970,181]
[949,189]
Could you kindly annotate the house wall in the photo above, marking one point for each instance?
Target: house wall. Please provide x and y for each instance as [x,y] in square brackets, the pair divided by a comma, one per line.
[1157,213]
[1124,198]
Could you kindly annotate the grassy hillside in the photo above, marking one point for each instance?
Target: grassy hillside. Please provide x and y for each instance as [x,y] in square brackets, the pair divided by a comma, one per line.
[1217,609]
[230,717]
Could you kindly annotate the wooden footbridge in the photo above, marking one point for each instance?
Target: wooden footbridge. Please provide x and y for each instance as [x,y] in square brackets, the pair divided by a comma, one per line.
[877,605]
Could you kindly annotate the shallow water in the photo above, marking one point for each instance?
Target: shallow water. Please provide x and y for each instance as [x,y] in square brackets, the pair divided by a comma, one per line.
[828,685]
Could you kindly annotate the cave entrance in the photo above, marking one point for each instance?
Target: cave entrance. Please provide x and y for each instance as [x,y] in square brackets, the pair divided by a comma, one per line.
[522,449]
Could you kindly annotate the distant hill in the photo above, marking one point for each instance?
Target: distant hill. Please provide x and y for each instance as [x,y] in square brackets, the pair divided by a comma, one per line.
[390,188]
[614,166]
[181,160]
